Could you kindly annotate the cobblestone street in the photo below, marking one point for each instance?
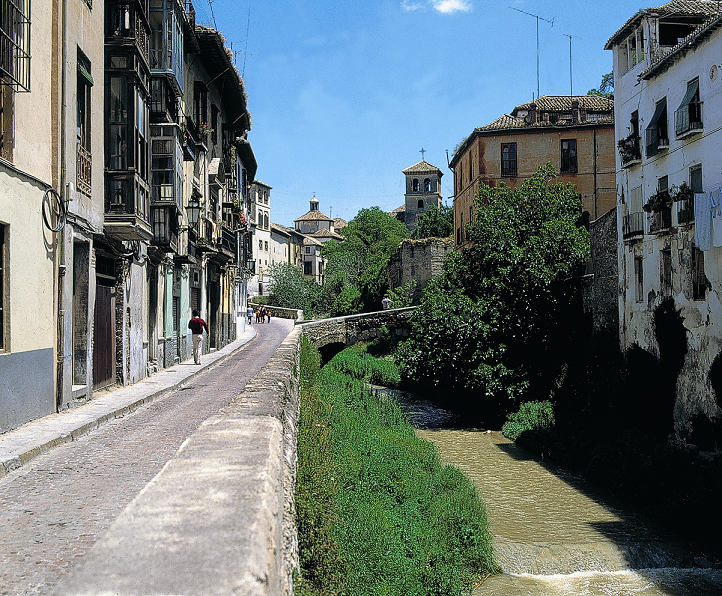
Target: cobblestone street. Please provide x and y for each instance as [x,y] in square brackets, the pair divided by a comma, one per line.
[57,506]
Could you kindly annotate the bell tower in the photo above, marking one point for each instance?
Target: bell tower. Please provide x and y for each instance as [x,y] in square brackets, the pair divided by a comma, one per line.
[423,190]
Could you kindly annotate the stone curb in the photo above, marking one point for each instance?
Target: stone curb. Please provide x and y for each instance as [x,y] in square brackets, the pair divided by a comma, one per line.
[22,445]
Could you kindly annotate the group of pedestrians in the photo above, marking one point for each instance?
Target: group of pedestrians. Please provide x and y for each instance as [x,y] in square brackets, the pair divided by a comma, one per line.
[262,313]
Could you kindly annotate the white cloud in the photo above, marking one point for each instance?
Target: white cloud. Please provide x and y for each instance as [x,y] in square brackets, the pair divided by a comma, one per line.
[449,6]
[411,6]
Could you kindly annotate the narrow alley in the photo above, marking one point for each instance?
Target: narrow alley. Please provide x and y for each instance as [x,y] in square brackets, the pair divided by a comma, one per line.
[58,505]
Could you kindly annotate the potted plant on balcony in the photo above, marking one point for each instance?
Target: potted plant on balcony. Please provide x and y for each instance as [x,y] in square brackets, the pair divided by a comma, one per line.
[242,223]
[658,202]
[205,129]
[681,193]
[629,148]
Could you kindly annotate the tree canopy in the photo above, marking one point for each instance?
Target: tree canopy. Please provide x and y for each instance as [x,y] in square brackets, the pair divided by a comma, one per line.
[289,288]
[496,323]
[360,261]
[435,223]
[606,88]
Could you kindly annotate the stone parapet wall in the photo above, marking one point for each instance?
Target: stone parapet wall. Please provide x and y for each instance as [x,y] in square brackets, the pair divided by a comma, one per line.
[355,328]
[282,313]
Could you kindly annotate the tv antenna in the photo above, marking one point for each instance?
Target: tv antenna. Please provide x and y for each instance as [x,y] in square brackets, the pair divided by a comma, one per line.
[537,17]
[571,86]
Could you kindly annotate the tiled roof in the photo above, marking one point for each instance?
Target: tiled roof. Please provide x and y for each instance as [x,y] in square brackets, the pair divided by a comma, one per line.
[506,121]
[678,51]
[259,183]
[422,167]
[280,229]
[307,240]
[401,209]
[563,103]
[339,223]
[313,216]
[676,7]
[324,233]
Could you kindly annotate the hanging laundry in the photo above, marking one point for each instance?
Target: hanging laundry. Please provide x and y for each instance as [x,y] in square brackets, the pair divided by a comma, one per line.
[716,209]
[703,220]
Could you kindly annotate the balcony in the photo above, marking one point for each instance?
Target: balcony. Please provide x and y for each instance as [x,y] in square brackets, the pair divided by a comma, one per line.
[629,151]
[166,42]
[189,143]
[688,119]
[166,166]
[685,211]
[660,221]
[162,101]
[84,170]
[127,207]
[164,224]
[189,256]
[633,225]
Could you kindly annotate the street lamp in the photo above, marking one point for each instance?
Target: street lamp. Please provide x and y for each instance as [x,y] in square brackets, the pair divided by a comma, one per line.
[194,211]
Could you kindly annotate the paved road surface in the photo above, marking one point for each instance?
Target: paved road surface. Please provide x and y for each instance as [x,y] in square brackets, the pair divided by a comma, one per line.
[56,507]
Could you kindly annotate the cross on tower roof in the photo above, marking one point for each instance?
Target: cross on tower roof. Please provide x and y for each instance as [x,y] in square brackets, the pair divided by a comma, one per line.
[422,153]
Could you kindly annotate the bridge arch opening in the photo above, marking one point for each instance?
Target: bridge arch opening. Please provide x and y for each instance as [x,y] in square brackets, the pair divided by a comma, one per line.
[330,350]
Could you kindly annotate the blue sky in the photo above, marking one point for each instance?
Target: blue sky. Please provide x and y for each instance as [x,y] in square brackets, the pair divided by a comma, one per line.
[345,94]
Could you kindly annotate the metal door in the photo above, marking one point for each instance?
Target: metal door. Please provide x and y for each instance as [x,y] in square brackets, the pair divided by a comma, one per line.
[104,337]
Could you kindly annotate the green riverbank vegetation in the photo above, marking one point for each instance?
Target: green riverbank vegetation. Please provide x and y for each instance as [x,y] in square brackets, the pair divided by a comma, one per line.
[377,512]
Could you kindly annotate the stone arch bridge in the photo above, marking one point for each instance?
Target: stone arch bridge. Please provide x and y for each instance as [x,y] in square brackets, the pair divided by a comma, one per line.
[333,335]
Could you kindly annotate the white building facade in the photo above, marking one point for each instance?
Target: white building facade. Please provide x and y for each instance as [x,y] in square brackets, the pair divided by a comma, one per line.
[668,108]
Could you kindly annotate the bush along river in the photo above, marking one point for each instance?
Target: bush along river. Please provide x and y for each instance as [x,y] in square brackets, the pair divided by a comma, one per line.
[553,534]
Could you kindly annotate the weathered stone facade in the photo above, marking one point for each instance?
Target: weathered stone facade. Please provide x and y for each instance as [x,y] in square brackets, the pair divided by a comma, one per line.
[601,283]
[419,260]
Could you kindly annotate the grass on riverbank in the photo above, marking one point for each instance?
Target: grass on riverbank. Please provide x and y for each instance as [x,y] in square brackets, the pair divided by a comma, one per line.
[377,512]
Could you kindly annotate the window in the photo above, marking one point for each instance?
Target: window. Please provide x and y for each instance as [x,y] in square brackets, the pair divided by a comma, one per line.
[639,279]
[308,268]
[265,220]
[420,204]
[265,246]
[471,166]
[260,245]
[688,117]
[663,184]
[569,156]
[117,127]
[308,250]
[214,123]
[427,184]
[699,281]
[82,123]
[666,263]
[508,159]
[15,43]
[695,178]
[656,132]
[200,104]
[462,228]
[3,307]
[415,185]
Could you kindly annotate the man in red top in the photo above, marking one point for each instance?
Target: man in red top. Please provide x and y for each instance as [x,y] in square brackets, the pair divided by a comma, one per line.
[197,325]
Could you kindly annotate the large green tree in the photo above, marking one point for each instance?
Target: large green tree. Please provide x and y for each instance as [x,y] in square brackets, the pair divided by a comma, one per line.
[360,261]
[498,323]
[435,223]
[289,288]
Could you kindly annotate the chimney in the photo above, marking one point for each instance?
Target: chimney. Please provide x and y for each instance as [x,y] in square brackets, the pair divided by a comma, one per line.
[575,111]
[533,115]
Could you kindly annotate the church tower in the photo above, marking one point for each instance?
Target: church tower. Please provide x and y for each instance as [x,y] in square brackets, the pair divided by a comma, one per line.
[423,190]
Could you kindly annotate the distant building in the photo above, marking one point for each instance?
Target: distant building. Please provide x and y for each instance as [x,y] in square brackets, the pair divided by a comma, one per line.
[260,215]
[575,133]
[423,190]
[318,229]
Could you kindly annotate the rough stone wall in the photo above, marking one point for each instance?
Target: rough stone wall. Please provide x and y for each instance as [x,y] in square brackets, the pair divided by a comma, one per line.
[419,260]
[601,286]
[282,313]
[355,328]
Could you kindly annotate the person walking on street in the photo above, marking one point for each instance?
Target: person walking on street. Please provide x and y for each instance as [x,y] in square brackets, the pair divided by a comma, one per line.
[268,315]
[249,313]
[386,302]
[197,325]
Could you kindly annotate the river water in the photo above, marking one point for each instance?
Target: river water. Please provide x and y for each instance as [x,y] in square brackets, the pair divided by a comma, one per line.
[553,534]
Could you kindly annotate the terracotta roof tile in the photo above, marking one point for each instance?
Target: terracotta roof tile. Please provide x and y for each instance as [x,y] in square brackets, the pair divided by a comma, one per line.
[422,167]
[563,103]
[313,216]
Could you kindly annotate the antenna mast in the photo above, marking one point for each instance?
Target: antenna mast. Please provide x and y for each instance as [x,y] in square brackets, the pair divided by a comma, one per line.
[571,86]
[537,17]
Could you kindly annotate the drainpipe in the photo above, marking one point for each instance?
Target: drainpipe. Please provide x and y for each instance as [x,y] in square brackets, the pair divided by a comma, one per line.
[595,173]
[64,192]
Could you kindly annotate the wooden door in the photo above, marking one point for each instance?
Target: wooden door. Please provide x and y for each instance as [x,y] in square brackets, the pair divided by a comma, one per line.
[104,337]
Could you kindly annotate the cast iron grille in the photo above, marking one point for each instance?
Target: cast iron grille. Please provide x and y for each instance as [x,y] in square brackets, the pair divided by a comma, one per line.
[15,43]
